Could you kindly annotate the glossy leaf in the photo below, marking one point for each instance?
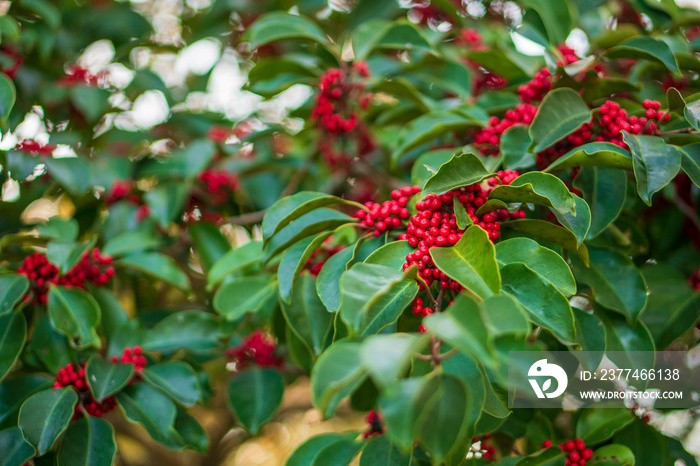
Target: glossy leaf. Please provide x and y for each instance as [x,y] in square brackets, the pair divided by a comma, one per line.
[90,442]
[16,451]
[380,451]
[386,357]
[546,306]
[328,280]
[245,294]
[294,261]
[106,378]
[616,282]
[460,170]
[12,288]
[276,26]
[562,111]
[428,164]
[75,313]
[373,296]
[537,188]
[310,201]
[690,162]
[552,233]
[471,262]
[646,48]
[624,342]
[391,255]
[590,336]
[579,224]
[176,379]
[158,266]
[255,395]
[594,154]
[305,454]
[598,424]
[45,415]
[514,145]
[152,409]
[8,95]
[545,262]
[655,163]
[306,315]
[13,334]
[195,331]
[336,374]
[604,189]
[613,455]
[233,261]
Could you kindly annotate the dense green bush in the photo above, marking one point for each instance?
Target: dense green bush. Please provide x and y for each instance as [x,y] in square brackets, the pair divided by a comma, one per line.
[400,195]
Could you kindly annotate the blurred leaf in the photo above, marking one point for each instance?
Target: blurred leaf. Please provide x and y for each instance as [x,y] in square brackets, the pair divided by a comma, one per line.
[245,294]
[166,202]
[16,450]
[306,315]
[195,331]
[386,357]
[89,441]
[13,334]
[597,424]
[106,378]
[176,379]
[158,266]
[8,94]
[45,415]
[294,260]
[336,374]
[305,454]
[380,451]
[233,261]
[76,314]
[255,394]
[152,409]
[12,288]
[690,162]
[646,48]
[277,25]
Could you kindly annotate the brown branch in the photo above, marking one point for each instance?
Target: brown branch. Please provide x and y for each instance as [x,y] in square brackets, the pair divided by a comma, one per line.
[244,219]
[680,131]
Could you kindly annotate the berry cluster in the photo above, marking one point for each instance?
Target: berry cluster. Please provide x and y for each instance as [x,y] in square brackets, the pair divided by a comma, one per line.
[537,88]
[389,215]
[122,190]
[92,267]
[320,256]
[435,224]
[132,356]
[74,376]
[257,348]
[35,148]
[219,183]
[489,138]
[375,420]
[480,447]
[17,57]
[336,92]
[577,453]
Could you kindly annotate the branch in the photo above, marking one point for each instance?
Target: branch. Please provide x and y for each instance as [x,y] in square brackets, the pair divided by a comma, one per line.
[244,219]
[687,210]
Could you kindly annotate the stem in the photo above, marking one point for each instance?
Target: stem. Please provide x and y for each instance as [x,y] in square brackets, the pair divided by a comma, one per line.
[438,303]
[679,131]
[618,235]
[687,210]
[244,219]
[427,289]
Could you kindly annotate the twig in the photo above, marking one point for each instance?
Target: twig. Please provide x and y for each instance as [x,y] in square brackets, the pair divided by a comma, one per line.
[427,289]
[677,131]
[687,210]
[244,219]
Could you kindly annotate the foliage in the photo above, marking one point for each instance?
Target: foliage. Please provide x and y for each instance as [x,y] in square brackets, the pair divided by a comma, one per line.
[437,199]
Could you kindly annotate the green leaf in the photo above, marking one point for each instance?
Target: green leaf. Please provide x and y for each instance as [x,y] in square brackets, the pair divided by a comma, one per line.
[130,241]
[500,63]
[581,223]
[302,205]
[590,338]
[624,343]
[380,451]
[286,206]
[645,442]
[106,378]
[255,395]
[152,409]
[391,255]
[306,315]
[112,313]
[597,424]
[550,232]
[13,334]
[502,315]
[655,163]
[552,456]
[562,112]
[15,450]
[428,164]
[545,262]
[48,345]
[166,202]
[616,282]
[537,188]
[176,379]
[462,326]
[65,254]
[14,390]
[12,288]
[462,217]
[646,48]
[336,374]
[271,76]
[400,408]
[306,452]
[45,415]
[448,414]
[692,113]
[612,455]
[515,142]
[690,162]
[386,357]
[182,163]
[373,296]
[192,433]
[342,451]
[158,266]
[398,35]
[471,262]
[234,261]
[426,128]
[75,313]
[604,189]
[311,223]
[245,294]
[556,16]
[8,94]
[92,102]
[88,442]
[294,260]
[72,173]
[460,170]
[278,25]
[195,331]
[546,306]
[328,280]
[60,228]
